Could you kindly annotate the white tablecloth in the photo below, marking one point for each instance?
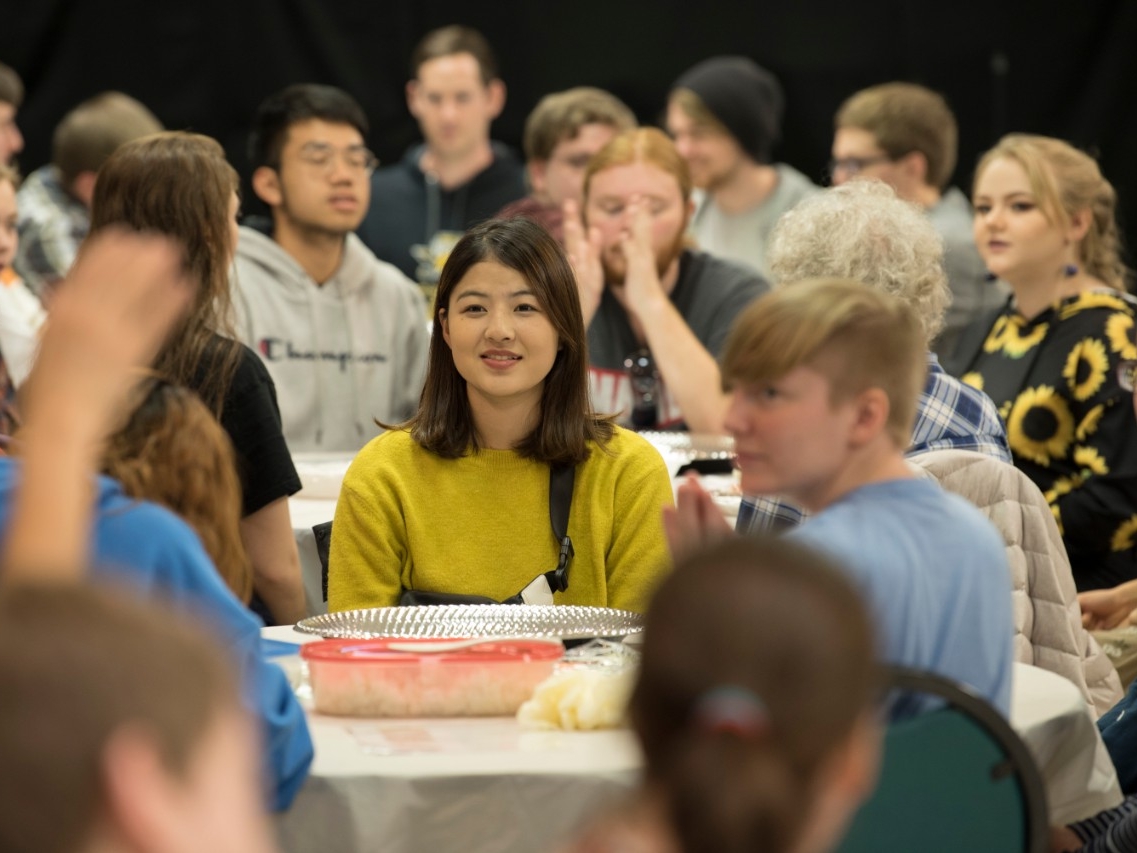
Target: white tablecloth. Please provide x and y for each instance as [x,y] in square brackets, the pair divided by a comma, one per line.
[486,785]
[1050,714]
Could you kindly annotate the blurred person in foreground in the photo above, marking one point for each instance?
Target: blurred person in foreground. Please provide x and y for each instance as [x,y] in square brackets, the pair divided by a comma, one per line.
[755,706]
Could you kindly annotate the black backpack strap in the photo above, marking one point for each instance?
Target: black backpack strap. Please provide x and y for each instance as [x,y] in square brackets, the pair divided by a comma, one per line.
[561,478]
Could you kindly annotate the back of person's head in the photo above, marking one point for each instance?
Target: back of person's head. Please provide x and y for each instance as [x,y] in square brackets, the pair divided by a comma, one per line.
[83,668]
[905,117]
[91,132]
[444,423]
[451,40]
[758,670]
[561,115]
[172,451]
[857,337]
[180,184]
[648,145]
[11,86]
[862,231]
[293,105]
[1065,181]
[736,96]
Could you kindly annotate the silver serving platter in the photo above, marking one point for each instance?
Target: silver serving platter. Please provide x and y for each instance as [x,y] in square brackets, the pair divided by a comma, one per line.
[693,446]
[570,622]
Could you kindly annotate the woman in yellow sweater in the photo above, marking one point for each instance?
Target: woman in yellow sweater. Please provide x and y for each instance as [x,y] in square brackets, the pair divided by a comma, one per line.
[457,500]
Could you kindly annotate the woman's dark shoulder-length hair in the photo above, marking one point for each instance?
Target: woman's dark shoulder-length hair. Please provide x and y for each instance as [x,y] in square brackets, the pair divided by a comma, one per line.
[444,423]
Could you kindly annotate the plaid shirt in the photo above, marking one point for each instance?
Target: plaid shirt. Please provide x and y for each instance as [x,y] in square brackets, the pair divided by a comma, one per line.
[52,224]
[950,415]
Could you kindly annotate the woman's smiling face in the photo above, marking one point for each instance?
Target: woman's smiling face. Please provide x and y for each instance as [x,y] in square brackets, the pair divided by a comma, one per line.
[500,335]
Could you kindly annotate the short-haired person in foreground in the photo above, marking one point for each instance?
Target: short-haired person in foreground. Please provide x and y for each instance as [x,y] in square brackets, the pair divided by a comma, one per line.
[862,231]
[905,135]
[121,730]
[755,705]
[561,134]
[339,331]
[825,377]
[657,312]
[458,176]
[725,116]
[55,200]
[458,499]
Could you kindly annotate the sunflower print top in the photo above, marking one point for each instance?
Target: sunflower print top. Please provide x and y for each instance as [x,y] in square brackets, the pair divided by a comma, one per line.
[1070,426]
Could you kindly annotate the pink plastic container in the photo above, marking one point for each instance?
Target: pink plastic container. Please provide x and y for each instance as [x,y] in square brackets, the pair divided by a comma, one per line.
[366,678]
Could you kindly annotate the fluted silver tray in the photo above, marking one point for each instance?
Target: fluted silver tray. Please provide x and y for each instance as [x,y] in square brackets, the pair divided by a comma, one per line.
[475,620]
[692,446]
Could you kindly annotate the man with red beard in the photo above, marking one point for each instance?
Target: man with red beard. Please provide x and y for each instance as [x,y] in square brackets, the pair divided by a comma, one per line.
[657,312]
[340,331]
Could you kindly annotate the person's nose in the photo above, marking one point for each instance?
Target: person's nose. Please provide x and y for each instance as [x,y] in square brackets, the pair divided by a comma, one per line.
[500,325]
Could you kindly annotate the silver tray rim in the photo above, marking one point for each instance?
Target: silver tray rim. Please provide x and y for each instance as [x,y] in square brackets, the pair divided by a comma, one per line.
[425,622]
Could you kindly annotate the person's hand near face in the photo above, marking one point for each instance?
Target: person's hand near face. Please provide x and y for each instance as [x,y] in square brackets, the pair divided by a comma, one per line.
[583,247]
[641,280]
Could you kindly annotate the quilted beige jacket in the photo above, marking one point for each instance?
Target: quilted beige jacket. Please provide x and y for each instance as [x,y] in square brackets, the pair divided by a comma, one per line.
[1048,623]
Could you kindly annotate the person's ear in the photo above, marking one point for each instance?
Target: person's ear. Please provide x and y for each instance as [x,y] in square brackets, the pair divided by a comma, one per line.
[412,97]
[915,166]
[266,184]
[870,416]
[444,322]
[496,91]
[537,170]
[83,187]
[140,795]
[1080,221]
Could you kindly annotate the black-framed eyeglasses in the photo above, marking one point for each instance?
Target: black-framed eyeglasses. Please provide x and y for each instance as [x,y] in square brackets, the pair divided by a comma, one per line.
[1126,374]
[644,380]
[322,156]
[855,165]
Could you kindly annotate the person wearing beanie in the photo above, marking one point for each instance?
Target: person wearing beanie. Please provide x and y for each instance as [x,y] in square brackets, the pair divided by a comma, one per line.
[725,115]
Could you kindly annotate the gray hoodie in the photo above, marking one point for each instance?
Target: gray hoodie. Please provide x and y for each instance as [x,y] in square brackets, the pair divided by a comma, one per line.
[341,355]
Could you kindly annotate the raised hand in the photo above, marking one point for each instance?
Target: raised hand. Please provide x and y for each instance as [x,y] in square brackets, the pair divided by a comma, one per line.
[583,249]
[694,521]
[641,279]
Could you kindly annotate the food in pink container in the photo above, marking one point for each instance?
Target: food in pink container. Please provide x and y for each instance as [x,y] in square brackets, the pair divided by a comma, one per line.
[427,677]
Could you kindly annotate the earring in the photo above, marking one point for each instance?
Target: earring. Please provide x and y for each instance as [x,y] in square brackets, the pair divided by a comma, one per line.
[1070,270]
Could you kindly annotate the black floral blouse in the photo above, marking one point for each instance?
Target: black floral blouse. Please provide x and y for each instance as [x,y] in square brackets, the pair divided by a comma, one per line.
[1070,426]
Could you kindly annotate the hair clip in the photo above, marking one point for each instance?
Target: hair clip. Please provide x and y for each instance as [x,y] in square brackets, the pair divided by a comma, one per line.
[731,709]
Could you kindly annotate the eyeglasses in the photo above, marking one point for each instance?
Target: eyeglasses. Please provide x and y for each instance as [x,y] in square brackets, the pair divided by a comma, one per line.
[1126,374]
[645,389]
[323,157]
[855,165]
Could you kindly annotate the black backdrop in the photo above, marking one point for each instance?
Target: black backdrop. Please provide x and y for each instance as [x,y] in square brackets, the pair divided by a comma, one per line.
[1059,68]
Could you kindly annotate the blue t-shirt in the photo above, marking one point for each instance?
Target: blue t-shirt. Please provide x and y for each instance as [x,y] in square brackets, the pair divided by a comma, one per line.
[143,545]
[934,572]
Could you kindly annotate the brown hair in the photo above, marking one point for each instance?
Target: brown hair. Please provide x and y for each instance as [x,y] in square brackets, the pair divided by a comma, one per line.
[561,115]
[91,132]
[645,145]
[448,41]
[775,632]
[175,453]
[11,86]
[858,337]
[79,664]
[444,423]
[1065,180]
[696,109]
[904,118]
[180,184]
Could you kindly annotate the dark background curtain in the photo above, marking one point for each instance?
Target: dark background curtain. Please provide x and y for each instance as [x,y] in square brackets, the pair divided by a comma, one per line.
[1057,68]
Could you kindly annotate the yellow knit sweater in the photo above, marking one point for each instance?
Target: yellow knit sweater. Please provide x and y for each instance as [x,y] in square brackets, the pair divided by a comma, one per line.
[407,518]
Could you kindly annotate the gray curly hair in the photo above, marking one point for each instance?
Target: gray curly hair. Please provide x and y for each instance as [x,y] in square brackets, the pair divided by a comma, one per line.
[862,231]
